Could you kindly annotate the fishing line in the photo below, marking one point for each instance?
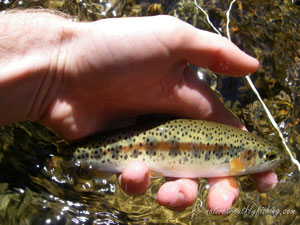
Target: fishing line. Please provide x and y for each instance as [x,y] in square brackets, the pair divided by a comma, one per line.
[269,115]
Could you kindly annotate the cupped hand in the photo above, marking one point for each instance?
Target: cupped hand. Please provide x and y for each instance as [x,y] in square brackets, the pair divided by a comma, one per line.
[113,70]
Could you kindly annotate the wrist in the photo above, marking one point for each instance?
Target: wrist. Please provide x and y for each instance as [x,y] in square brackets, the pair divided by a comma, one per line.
[32,50]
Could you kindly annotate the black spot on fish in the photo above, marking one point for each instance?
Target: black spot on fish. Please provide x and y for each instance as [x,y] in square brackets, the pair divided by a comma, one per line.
[150,147]
[115,153]
[219,153]
[135,153]
[174,149]
[196,153]
[98,154]
[207,156]
[232,152]
[260,154]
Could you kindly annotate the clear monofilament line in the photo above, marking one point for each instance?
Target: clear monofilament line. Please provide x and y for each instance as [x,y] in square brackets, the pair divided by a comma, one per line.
[207,17]
[271,118]
[228,19]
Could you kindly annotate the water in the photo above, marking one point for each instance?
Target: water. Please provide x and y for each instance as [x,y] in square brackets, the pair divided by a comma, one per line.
[38,187]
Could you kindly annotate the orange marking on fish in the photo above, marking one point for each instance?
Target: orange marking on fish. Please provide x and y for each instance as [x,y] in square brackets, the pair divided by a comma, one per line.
[168,146]
[236,166]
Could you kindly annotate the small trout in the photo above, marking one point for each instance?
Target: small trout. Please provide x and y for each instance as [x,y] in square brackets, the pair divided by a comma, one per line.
[179,148]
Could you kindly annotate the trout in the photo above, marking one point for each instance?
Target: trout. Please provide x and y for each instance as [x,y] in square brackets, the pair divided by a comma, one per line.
[179,148]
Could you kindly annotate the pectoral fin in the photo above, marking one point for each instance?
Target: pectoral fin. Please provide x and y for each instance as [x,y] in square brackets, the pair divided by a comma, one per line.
[236,166]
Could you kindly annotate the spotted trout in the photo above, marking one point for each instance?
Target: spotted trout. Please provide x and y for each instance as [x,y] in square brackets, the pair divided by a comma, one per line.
[179,148]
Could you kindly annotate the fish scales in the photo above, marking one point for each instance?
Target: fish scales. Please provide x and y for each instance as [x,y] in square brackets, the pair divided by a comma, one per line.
[179,148]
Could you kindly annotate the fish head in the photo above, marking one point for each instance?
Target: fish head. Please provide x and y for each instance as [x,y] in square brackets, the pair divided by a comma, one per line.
[266,158]
[256,161]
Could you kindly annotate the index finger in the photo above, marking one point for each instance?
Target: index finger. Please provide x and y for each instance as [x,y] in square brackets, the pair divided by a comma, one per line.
[204,49]
[217,53]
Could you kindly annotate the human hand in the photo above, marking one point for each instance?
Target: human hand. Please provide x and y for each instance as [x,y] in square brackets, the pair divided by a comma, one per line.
[113,70]
[142,69]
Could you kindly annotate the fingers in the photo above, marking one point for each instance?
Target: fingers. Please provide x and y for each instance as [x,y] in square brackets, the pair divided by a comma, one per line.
[135,178]
[198,47]
[178,194]
[209,50]
[265,181]
[221,194]
[224,191]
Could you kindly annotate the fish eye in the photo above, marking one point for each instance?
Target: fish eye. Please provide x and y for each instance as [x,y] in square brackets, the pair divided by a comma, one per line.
[271,155]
